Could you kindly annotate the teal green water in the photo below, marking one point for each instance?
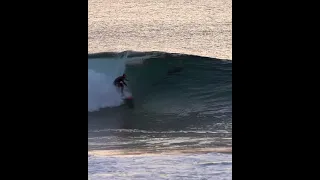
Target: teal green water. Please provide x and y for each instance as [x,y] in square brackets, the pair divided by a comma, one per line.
[184,100]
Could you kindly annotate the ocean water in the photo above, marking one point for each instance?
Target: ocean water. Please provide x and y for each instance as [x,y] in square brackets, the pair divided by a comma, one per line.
[177,57]
[179,166]
[197,27]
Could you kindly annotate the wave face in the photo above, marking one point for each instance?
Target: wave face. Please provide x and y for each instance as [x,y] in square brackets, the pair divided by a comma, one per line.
[161,82]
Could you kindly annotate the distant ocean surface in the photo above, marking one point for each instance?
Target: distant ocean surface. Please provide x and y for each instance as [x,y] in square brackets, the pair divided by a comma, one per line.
[177,57]
[197,27]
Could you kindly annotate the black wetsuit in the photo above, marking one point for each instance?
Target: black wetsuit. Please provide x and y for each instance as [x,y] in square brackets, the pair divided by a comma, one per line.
[119,81]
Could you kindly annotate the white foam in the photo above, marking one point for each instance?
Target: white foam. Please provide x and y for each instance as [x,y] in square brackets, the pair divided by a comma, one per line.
[161,166]
[101,74]
[101,92]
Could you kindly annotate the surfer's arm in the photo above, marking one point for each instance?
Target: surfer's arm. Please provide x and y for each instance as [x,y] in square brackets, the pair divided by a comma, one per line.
[124,83]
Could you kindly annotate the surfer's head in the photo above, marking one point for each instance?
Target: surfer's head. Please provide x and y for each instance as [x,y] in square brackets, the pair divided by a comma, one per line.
[123,75]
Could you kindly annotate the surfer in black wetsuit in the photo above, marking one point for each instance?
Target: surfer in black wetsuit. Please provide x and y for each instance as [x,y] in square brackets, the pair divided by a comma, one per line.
[119,82]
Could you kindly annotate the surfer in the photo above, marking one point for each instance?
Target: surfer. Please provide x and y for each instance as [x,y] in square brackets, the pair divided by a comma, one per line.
[119,82]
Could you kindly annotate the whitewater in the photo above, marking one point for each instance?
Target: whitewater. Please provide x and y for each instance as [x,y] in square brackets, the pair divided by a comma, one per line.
[101,73]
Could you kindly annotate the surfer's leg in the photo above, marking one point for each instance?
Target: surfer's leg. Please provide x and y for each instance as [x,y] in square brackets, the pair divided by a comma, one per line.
[117,86]
[121,86]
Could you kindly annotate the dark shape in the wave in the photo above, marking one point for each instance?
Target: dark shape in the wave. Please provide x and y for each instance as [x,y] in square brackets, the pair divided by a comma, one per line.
[174,70]
[170,72]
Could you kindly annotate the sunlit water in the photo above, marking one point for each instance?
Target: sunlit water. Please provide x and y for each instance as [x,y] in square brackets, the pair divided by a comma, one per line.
[198,27]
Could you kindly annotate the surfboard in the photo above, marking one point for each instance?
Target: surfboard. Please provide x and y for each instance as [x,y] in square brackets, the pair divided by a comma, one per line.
[126,95]
[128,99]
